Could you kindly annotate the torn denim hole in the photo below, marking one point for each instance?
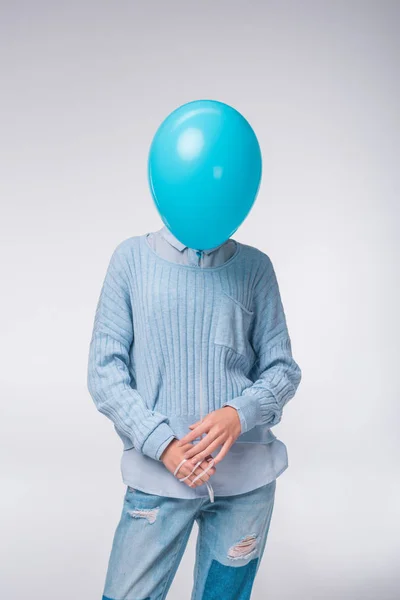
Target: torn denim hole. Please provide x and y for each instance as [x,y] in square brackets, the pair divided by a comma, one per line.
[244,548]
[145,513]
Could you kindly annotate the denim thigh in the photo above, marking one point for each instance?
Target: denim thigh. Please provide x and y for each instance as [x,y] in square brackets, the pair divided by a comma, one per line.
[148,545]
[230,544]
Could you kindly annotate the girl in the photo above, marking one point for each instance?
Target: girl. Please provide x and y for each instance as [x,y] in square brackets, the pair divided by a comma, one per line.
[187,344]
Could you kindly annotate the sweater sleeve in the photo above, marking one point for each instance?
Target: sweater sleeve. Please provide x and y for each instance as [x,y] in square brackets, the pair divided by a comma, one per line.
[275,374]
[109,379]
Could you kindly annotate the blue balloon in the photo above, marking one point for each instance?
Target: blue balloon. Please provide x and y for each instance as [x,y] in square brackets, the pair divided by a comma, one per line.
[204,171]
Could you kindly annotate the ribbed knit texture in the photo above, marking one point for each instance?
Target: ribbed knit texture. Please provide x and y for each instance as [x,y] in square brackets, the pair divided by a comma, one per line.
[152,316]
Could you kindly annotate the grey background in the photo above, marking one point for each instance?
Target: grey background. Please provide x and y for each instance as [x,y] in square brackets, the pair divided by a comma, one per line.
[84,86]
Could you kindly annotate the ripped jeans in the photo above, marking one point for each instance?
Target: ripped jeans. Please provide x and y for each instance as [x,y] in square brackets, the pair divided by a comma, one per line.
[153,532]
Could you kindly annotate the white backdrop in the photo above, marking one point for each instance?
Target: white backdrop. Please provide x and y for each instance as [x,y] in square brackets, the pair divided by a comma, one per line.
[84,86]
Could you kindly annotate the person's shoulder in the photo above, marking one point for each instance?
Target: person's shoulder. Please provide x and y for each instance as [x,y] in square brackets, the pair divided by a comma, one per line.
[124,255]
[256,256]
[127,246]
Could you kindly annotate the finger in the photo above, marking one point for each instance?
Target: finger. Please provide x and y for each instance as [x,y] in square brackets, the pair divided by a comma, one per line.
[184,469]
[206,463]
[223,452]
[187,467]
[201,476]
[204,443]
[204,476]
[190,480]
[195,424]
[189,437]
[218,442]
[187,472]
[207,468]
[190,470]
[211,471]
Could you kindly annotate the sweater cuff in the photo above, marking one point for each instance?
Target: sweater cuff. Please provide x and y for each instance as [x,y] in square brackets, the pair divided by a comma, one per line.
[248,409]
[252,412]
[158,440]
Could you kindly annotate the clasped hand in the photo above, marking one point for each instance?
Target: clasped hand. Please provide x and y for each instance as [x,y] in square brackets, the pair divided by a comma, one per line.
[222,428]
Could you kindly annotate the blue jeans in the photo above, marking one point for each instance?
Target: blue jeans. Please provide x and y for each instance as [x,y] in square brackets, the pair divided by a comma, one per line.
[153,532]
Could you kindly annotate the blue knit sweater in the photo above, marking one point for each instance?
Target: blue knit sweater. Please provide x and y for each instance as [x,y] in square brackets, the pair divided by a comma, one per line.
[153,317]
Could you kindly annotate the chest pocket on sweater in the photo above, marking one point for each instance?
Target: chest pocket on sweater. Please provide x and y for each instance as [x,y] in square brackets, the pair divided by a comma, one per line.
[233,324]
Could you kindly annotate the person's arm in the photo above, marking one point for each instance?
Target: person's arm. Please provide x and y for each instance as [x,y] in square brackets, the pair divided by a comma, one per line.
[275,373]
[108,378]
[275,376]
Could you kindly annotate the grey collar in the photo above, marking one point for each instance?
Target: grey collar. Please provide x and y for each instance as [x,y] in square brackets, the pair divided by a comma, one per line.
[168,235]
